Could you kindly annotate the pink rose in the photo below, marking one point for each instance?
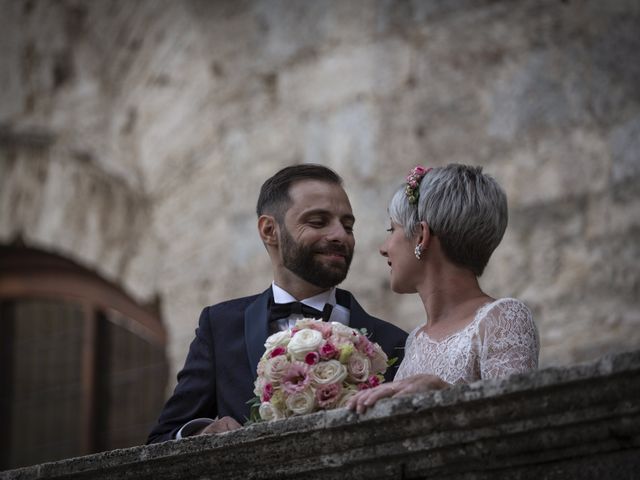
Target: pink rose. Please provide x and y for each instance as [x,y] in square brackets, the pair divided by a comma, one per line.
[328,351]
[366,346]
[324,328]
[358,367]
[275,368]
[312,358]
[374,381]
[419,170]
[296,378]
[277,351]
[363,386]
[327,395]
[267,392]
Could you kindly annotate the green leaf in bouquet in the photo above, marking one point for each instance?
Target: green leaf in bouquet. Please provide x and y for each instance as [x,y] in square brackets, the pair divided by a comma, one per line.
[254,412]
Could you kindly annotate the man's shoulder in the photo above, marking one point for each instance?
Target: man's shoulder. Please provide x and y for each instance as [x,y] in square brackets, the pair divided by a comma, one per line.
[377,324]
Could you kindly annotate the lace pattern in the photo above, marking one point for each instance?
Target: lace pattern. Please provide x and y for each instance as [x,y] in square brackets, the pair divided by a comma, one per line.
[502,339]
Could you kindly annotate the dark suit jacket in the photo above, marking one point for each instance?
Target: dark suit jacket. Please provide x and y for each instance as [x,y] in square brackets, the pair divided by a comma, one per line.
[218,374]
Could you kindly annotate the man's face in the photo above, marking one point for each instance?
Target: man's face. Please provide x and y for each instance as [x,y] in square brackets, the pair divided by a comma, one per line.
[316,237]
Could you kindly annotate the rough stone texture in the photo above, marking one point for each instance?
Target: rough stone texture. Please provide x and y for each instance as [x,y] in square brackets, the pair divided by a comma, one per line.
[134,137]
[559,423]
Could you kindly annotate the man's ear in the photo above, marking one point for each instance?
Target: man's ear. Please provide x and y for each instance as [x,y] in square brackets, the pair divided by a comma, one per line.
[268,230]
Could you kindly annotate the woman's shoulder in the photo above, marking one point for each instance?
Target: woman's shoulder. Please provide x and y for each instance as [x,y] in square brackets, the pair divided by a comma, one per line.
[505,311]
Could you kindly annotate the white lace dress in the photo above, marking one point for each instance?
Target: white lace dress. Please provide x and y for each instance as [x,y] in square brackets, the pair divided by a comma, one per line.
[502,339]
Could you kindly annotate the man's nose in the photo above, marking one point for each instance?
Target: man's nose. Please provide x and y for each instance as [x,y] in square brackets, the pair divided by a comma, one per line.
[338,232]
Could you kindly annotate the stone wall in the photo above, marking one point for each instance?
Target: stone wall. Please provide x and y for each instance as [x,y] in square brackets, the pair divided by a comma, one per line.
[581,422]
[134,137]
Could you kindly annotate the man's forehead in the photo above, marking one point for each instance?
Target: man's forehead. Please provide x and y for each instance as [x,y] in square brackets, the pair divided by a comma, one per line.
[318,195]
[304,189]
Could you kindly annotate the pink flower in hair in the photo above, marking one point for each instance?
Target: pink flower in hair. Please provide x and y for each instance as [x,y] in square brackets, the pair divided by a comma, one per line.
[413,183]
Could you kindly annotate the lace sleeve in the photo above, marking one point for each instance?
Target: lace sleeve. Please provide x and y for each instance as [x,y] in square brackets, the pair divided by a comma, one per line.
[510,343]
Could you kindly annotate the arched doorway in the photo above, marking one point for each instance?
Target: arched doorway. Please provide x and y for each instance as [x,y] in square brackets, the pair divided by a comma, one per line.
[82,366]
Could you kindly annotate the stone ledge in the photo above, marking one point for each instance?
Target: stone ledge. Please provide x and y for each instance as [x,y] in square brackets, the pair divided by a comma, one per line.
[577,422]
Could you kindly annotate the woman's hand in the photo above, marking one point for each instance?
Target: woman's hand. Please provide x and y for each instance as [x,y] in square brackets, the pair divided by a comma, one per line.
[417,383]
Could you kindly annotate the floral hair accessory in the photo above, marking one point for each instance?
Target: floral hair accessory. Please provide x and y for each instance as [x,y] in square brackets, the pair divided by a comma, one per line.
[413,182]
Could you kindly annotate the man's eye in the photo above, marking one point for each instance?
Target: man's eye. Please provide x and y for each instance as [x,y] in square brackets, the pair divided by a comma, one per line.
[390,229]
[348,228]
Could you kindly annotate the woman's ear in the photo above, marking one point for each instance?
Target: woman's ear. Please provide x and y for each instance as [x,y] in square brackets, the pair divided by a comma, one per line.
[424,236]
[268,230]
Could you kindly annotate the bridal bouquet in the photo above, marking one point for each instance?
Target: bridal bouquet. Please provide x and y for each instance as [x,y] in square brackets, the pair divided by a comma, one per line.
[314,366]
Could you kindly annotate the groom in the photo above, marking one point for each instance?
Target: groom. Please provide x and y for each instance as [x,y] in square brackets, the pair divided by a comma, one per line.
[306,224]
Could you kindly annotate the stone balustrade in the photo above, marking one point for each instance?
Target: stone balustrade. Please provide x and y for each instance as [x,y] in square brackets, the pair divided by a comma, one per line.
[558,423]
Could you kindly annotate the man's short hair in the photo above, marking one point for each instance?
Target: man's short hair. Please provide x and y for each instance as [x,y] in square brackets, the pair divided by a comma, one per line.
[465,208]
[274,196]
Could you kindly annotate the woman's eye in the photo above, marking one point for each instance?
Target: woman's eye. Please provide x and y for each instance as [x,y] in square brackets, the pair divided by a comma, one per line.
[390,229]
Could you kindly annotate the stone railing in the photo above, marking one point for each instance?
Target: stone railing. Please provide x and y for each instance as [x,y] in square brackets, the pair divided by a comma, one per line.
[578,422]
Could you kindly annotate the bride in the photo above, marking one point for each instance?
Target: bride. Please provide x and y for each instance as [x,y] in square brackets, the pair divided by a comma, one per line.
[445,224]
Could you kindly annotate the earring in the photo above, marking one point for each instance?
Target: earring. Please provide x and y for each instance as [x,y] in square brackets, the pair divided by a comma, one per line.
[418,251]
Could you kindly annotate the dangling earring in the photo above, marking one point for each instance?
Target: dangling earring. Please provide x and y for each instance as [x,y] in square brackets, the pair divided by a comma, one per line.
[418,251]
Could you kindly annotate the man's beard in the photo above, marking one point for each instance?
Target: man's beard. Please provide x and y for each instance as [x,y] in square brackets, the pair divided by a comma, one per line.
[300,260]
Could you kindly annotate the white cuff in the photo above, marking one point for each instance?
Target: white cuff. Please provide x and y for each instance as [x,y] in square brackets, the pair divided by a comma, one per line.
[193,426]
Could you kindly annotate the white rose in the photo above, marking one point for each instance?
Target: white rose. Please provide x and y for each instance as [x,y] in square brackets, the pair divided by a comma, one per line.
[258,386]
[301,402]
[341,330]
[331,371]
[269,412]
[358,367]
[347,393]
[306,322]
[303,342]
[278,339]
[275,367]
[379,360]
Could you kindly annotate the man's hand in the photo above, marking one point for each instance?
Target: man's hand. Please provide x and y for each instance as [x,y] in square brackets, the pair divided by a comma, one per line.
[220,425]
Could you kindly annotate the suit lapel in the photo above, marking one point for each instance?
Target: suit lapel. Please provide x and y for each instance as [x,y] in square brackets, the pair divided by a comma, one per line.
[256,328]
[358,318]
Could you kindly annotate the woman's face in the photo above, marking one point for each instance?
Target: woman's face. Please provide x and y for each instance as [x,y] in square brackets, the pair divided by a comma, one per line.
[399,252]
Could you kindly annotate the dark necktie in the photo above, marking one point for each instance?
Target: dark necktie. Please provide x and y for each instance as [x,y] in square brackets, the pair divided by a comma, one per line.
[283,310]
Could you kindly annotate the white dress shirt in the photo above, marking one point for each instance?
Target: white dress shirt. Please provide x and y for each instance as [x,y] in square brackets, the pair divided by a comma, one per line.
[338,314]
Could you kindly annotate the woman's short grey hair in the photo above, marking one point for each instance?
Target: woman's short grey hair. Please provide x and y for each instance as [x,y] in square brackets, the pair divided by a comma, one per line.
[464,208]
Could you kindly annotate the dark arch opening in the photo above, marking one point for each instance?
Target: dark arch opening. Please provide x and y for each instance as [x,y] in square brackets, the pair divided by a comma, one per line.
[83,366]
